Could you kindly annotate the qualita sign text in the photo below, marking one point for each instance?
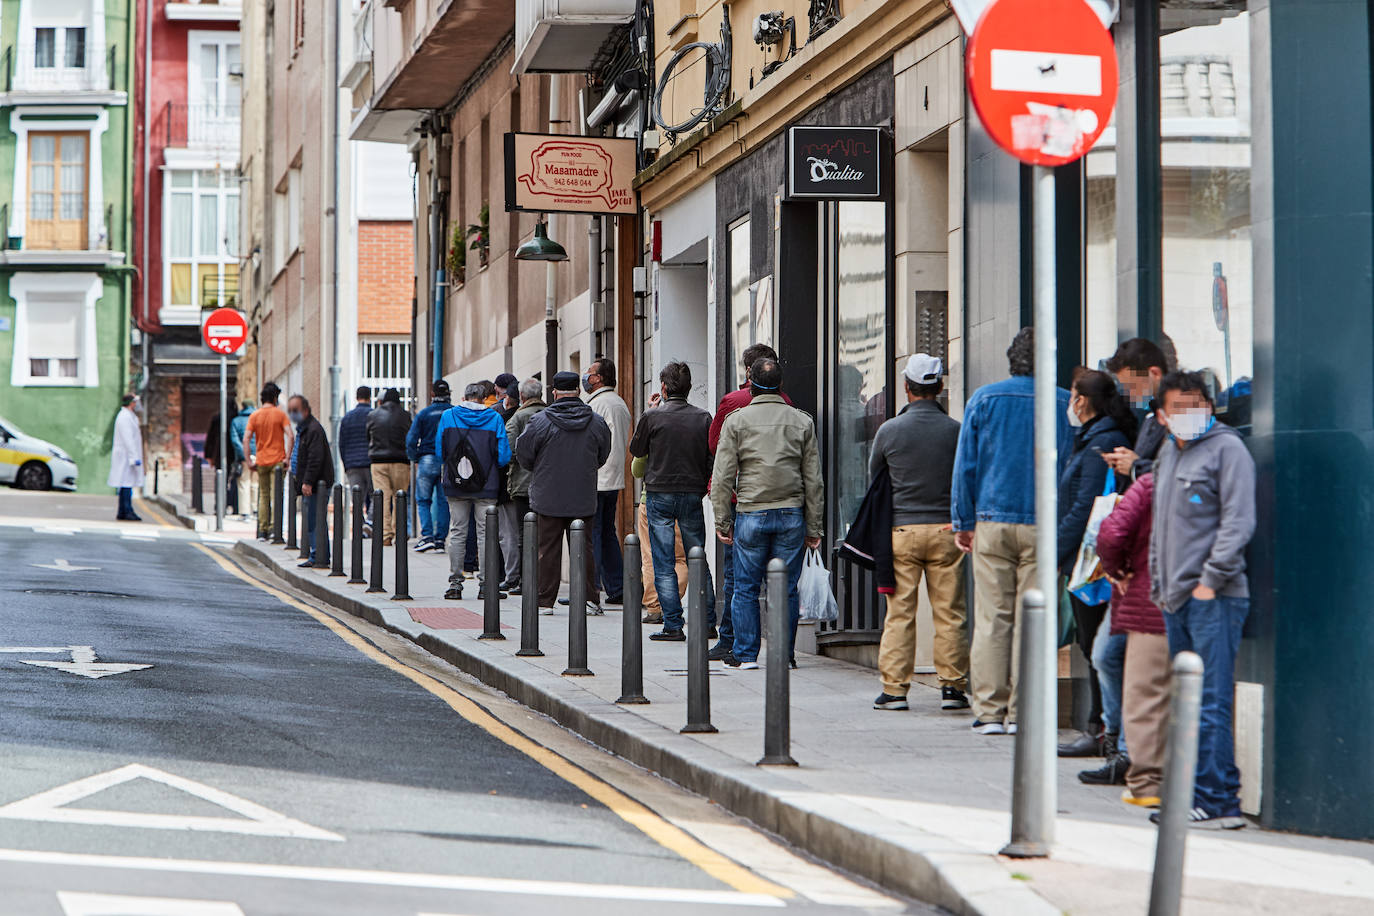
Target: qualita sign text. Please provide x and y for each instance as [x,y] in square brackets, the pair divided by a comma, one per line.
[569,174]
[834,163]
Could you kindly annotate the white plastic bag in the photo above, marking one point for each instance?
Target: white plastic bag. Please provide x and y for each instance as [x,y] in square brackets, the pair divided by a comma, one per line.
[817,600]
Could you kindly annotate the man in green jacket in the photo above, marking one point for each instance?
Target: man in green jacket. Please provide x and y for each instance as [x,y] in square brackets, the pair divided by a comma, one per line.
[768,458]
[518,479]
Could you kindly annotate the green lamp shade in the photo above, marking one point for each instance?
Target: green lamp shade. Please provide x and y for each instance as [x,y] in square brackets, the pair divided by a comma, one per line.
[541,247]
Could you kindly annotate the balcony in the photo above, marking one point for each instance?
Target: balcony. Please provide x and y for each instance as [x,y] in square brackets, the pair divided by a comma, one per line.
[206,127]
[205,11]
[68,235]
[423,53]
[360,62]
[36,68]
[564,36]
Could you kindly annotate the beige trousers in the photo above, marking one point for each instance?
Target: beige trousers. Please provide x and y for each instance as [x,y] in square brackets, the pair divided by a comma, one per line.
[646,564]
[1003,570]
[1145,710]
[928,549]
[389,477]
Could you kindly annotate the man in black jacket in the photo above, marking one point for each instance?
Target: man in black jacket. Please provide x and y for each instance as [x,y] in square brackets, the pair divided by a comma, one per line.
[674,439]
[353,450]
[564,446]
[387,427]
[314,465]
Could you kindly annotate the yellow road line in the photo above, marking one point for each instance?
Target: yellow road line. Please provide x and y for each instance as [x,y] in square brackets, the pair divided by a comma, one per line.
[153,511]
[667,835]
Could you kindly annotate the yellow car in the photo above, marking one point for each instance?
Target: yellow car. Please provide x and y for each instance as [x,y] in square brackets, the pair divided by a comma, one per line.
[30,463]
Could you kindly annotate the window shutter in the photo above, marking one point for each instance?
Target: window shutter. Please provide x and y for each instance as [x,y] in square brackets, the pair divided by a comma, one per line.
[54,329]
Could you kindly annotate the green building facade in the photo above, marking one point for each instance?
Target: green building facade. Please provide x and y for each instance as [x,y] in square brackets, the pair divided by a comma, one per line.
[66,170]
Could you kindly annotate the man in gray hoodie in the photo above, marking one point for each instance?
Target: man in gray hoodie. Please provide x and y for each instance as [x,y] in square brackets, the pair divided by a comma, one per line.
[1204,516]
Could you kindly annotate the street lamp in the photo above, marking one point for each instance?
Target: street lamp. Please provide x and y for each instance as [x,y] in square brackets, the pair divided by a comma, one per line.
[541,247]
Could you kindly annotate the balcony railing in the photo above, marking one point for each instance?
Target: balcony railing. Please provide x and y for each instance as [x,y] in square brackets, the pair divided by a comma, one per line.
[28,67]
[220,291]
[55,227]
[206,126]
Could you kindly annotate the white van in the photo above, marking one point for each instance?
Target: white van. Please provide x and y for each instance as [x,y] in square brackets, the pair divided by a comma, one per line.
[33,464]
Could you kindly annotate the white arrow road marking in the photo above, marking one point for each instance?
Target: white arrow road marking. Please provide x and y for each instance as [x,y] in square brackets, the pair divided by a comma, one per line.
[55,529]
[83,661]
[64,566]
[255,820]
[117,905]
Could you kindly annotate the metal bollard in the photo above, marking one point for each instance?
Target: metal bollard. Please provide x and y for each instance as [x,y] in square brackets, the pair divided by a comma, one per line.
[631,631]
[219,499]
[577,600]
[320,498]
[402,573]
[1176,796]
[777,697]
[197,498]
[378,557]
[1032,820]
[304,533]
[491,584]
[355,498]
[291,512]
[698,674]
[157,473]
[276,505]
[529,588]
[336,556]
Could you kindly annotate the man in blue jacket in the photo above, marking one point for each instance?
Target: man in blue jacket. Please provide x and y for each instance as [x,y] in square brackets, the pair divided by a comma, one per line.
[472,446]
[992,507]
[353,448]
[429,493]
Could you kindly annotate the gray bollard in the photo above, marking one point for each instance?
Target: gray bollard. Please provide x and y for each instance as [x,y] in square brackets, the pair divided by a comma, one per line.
[529,588]
[631,631]
[402,573]
[355,502]
[1176,796]
[336,554]
[1032,823]
[277,507]
[304,533]
[698,673]
[197,497]
[378,557]
[291,512]
[219,499]
[491,569]
[777,697]
[320,498]
[157,473]
[577,601]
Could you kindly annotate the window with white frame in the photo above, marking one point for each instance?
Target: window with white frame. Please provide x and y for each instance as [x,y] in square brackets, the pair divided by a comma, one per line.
[214,93]
[55,329]
[386,364]
[202,234]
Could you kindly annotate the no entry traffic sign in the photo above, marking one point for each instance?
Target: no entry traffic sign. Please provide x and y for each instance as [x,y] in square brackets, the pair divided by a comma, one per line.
[1042,74]
[225,331]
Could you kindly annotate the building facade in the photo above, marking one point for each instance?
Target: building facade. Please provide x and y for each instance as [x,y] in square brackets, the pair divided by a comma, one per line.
[66,164]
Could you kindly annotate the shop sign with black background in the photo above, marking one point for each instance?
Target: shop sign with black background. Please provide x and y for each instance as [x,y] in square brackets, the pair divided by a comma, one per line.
[834,163]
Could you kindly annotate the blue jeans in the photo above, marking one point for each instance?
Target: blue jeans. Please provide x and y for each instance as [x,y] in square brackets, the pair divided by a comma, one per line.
[759,537]
[685,509]
[430,502]
[1109,661]
[308,507]
[1212,630]
[605,545]
[727,578]
[126,502]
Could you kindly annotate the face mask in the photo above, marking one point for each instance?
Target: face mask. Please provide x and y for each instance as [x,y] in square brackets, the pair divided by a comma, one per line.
[1189,424]
[587,383]
[296,416]
[1073,417]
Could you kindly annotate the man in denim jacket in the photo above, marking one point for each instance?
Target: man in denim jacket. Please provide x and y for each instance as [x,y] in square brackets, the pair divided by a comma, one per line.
[992,505]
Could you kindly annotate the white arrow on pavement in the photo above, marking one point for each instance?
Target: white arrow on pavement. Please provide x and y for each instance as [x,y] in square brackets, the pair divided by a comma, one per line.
[63,566]
[83,661]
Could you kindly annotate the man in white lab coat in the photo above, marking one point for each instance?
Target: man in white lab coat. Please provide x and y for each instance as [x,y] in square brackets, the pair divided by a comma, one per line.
[126,458]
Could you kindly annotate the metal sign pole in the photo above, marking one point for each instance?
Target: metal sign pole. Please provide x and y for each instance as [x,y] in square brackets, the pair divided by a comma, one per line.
[223,441]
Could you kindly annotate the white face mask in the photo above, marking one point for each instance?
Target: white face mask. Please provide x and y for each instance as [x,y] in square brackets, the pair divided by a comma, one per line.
[1189,424]
[1073,417]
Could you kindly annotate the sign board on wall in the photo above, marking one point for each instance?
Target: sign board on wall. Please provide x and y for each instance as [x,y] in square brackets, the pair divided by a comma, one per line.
[834,163]
[558,173]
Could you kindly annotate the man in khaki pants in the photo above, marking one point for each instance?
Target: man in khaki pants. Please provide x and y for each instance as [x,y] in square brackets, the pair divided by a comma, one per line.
[917,448]
[387,427]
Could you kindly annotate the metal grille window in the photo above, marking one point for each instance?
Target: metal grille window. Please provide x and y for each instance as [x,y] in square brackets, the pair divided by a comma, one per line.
[386,364]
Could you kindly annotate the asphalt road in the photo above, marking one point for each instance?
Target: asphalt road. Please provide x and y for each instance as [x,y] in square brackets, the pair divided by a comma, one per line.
[270,762]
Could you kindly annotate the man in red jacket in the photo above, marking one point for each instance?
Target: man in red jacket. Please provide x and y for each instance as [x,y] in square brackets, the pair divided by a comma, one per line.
[733,401]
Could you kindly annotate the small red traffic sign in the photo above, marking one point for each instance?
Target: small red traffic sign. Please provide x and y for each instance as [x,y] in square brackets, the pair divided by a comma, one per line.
[225,331]
[1042,74]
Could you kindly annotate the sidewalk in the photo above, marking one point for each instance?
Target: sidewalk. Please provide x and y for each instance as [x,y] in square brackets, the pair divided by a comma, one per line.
[913,801]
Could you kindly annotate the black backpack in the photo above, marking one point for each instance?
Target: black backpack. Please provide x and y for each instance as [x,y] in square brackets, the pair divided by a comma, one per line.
[463,469]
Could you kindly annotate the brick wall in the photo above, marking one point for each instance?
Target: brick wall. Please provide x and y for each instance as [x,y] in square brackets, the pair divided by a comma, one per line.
[386,276]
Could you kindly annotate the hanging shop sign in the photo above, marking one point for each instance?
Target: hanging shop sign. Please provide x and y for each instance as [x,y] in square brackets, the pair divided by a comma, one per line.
[557,173]
[834,163]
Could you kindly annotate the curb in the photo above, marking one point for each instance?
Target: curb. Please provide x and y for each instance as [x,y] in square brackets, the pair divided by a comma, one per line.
[920,865]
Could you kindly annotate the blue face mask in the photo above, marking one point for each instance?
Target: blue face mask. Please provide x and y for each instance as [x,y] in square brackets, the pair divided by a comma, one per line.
[587,383]
[296,416]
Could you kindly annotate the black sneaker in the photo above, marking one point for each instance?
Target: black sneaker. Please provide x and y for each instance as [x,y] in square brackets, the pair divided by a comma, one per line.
[1202,819]
[1088,745]
[1111,773]
[615,599]
[565,601]
[482,594]
[668,636]
[952,698]
[305,564]
[454,593]
[889,701]
[514,590]
[423,544]
[713,633]
[719,652]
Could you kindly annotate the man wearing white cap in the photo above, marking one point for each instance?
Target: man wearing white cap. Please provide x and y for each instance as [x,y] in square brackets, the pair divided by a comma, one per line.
[917,449]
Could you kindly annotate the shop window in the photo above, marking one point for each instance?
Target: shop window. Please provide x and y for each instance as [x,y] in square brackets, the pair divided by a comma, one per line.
[1208,316]
[57,191]
[743,320]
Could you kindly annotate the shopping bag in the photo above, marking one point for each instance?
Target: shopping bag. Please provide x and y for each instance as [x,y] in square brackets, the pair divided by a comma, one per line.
[817,600]
[1087,582]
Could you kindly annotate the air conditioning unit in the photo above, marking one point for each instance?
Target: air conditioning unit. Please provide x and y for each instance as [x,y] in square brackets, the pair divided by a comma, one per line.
[564,36]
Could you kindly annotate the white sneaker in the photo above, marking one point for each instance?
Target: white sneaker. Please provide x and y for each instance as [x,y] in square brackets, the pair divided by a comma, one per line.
[988,728]
[748,666]
[1011,728]
[546,612]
